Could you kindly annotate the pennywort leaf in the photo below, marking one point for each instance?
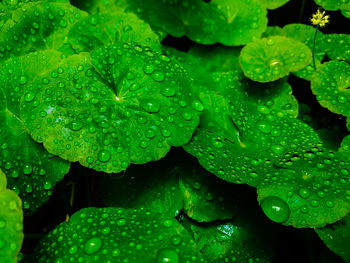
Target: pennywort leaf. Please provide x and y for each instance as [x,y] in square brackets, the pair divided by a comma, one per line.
[272,58]
[220,21]
[31,171]
[117,235]
[38,26]
[331,85]
[129,105]
[11,223]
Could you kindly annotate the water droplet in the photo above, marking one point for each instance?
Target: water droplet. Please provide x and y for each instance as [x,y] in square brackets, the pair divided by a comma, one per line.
[167,255]
[218,143]
[73,249]
[104,155]
[264,127]
[168,223]
[150,133]
[93,245]
[158,76]
[148,69]
[151,106]
[22,80]
[27,169]
[121,222]
[76,125]
[304,193]
[276,209]
[166,133]
[29,97]
[176,240]
[197,105]
[168,91]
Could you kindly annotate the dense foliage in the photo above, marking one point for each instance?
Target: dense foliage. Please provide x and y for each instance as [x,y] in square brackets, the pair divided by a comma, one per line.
[174,131]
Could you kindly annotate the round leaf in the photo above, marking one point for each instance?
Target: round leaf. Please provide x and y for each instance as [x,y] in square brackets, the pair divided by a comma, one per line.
[132,110]
[247,127]
[307,190]
[273,4]
[306,34]
[116,235]
[11,223]
[343,5]
[272,58]
[331,85]
[31,171]
[38,26]
[337,46]
[100,30]
[228,22]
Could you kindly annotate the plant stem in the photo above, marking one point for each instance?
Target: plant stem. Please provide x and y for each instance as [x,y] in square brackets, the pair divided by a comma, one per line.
[301,13]
[313,48]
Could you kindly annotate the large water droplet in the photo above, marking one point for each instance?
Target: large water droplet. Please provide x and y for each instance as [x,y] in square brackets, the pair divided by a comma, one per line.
[93,245]
[104,155]
[276,209]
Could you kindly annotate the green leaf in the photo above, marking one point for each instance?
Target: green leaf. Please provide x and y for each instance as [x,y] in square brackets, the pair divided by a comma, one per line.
[306,34]
[206,198]
[228,22]
[216,58]
[101,30]
[273,4]
[31,171]
[116,235]
[337,46]
[273,31]
[248,237]
[337,237]
[38,26]
[309,189]
[333,5]
[11,223]
[272,58]
[331,85]
[345,146]
[132,110]
[246,126]
[153,186]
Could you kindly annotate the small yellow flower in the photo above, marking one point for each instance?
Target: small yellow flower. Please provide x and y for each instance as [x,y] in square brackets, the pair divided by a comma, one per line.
[319,19]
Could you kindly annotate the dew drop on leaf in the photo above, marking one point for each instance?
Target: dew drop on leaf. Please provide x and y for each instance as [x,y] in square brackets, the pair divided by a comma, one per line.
[276,209]
[93,245]
[104,155]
